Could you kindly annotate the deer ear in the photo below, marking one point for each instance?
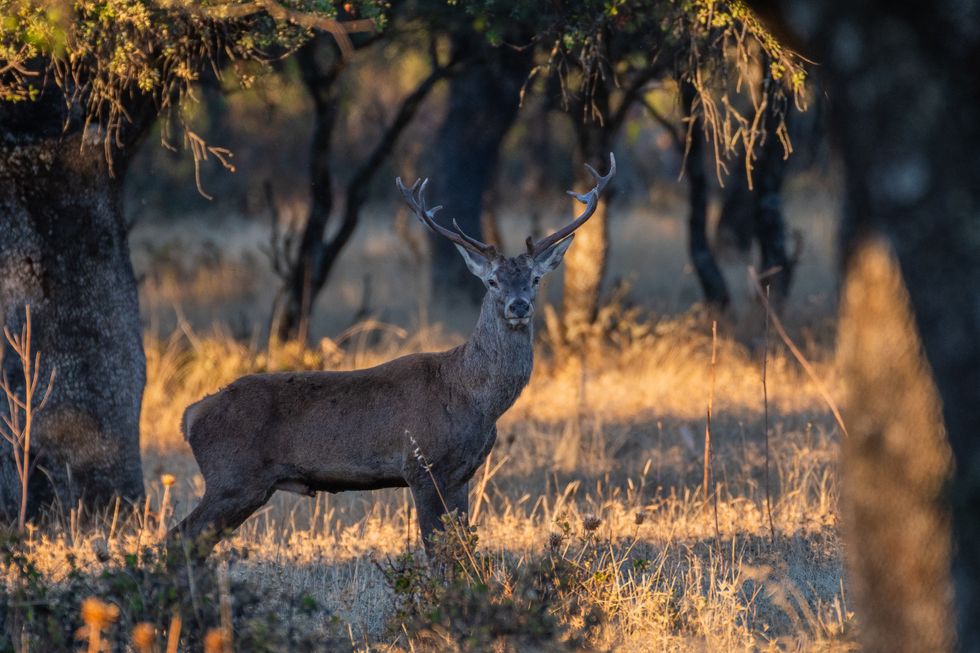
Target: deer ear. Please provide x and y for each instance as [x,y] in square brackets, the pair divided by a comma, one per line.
[478,265]
[549,259]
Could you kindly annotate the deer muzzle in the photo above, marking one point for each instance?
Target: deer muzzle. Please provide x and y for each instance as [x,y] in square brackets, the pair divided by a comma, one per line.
[518,312]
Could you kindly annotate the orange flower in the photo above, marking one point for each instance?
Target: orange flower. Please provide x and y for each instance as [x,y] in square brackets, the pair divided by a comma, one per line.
[97,613]
[216,642]
[144,636]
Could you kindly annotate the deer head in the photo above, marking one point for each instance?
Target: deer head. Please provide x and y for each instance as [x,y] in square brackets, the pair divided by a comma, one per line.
[512,281]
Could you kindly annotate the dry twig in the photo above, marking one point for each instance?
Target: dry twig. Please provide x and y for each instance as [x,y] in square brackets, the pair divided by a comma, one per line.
[797,354]
[17,420]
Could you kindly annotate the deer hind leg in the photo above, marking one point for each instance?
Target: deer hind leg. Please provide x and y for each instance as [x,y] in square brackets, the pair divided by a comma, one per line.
[217,513]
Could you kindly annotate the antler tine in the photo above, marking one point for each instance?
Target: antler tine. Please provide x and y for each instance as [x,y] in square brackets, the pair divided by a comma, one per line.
[479,244]
[591,201]
[427,217]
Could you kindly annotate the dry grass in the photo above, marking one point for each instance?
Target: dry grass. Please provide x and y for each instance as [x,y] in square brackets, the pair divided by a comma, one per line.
[619,440]
[613,432]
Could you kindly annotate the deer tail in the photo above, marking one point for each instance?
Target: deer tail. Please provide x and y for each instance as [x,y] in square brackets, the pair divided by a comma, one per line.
[187,422]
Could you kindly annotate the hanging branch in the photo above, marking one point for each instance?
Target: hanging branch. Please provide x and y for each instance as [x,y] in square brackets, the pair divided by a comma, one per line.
[703,43]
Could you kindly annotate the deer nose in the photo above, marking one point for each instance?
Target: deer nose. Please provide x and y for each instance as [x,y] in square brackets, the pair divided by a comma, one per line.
[519,308]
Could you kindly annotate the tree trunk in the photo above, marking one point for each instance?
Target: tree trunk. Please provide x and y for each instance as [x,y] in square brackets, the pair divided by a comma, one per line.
[483,103]
[767,178]
[309,272]
[756,214]
[703,259]
[596,125]
[895,463]
[320,65]
[586,261]
[63,250]
[585,268]
[736,223]
[906,111]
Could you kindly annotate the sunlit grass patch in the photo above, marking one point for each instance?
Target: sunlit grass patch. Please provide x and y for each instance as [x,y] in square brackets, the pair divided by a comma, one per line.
[611,431]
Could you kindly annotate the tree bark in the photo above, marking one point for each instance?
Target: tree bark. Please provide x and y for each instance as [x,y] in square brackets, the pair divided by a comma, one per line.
[906,112]
[895,463]
[64,251]
[483,102]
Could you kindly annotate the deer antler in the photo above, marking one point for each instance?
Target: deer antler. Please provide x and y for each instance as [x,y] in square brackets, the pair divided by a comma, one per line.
[415,198]
[591,201]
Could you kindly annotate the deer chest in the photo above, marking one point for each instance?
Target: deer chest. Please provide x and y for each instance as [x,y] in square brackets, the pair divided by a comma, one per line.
[473,452]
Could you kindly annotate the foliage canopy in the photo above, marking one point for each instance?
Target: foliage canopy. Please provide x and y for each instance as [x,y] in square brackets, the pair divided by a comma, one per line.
[743,76]
[109,57]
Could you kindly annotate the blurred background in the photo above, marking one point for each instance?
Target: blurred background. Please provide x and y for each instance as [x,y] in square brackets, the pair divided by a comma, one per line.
[212,250]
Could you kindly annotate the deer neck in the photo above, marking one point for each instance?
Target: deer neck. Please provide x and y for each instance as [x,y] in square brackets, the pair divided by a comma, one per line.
[496,361]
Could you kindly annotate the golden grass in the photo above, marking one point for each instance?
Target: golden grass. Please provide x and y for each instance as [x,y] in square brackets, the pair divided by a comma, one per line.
[615,433]
[619,440]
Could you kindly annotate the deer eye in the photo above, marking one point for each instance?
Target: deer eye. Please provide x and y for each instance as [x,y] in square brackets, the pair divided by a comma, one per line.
[492,283]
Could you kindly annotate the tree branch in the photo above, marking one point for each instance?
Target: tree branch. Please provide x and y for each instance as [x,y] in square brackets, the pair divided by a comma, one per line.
[635,90]
[232,10]
[664,122]
[359,183]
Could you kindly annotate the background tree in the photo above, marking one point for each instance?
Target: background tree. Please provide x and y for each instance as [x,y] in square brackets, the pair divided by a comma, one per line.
[482,106]
[752,212]
[80,86]
[485,79]
[699,246]
[905,114]
[305,268]
[608,58]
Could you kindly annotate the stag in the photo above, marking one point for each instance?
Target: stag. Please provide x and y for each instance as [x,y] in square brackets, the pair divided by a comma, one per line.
[426,421]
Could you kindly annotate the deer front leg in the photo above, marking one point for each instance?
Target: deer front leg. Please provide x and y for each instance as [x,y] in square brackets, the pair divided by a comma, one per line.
[431,504]
[458,499]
